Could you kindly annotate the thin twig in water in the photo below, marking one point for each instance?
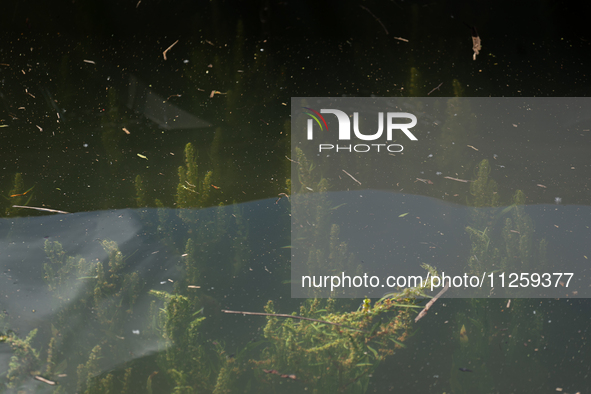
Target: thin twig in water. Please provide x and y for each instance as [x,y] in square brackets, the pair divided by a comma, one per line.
[424,311]
[40,209]
[376,18]
[168,49]
[289,317]
[434,89]
[456,179]
[352,177]
[42,379]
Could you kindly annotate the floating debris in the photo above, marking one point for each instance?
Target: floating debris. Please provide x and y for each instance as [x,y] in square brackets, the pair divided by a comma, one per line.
[456,179]
[40,209]
[281,195]
[434,89]
[275,372]
[424,311]
[21,194]
[352,177]
[214,92]
[168,49]
[42,379]
[476,43]
[376,18]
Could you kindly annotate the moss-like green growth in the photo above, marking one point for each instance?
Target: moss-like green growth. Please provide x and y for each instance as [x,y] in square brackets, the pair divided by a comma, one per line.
[188,363]
[522,252]
[339,353]
[482,345]
[191,191]
[484,190]
[86,372]
[24,361]
[106,294]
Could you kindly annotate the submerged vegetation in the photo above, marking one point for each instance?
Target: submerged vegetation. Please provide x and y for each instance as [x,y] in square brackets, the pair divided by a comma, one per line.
[502,241]
[336,351]
[110,330]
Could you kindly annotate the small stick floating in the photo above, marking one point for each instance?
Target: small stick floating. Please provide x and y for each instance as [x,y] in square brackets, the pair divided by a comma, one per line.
[352,177]
[40,209]
[476,43]
[169,48]
[424,311]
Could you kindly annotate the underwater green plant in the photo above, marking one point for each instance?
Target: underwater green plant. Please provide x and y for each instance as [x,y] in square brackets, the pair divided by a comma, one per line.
[315,239]
[104,293]
[489,332]
[184,358]
[340,350]
[521,252]
[484,190]
[191,192]
[515,249]
[24,361]
[484,255]
[334,351]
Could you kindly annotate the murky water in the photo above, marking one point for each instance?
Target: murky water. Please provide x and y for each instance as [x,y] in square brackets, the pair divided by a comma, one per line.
[125,293]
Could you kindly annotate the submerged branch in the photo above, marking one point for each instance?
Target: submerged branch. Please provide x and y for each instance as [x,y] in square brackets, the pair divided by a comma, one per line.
[289,317]
[424,311]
